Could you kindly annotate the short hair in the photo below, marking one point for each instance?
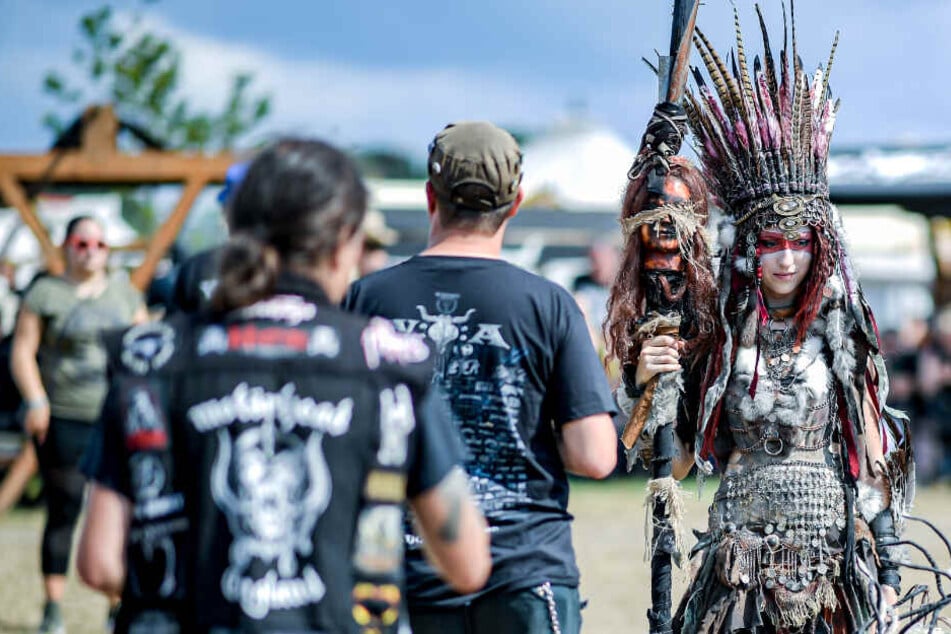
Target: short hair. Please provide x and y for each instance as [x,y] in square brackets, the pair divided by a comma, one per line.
[452,216]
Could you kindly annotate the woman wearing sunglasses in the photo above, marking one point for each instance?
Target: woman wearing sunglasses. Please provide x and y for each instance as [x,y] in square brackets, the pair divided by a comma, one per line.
[59,365]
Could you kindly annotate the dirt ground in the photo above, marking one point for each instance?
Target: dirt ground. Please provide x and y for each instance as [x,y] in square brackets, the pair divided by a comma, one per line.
[608,533]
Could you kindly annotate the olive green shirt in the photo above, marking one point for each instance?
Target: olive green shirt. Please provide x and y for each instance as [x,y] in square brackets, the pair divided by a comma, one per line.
[72,357]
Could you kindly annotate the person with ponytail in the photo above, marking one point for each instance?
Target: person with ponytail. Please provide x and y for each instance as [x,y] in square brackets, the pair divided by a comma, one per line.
[257,456]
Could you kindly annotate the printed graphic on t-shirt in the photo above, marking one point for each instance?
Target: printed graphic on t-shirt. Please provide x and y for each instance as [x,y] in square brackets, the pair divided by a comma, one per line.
[157,514]
[482,375]
[272,483]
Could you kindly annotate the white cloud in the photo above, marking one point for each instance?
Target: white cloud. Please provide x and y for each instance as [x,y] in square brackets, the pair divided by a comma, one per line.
[888,95]
[352,104]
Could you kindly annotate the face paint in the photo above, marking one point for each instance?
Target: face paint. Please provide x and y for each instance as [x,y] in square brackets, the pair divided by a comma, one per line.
[784,264]
[776,242]
[663,264]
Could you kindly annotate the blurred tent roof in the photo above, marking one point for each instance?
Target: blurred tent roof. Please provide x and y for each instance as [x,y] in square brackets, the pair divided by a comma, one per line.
[916,177]
[577,165]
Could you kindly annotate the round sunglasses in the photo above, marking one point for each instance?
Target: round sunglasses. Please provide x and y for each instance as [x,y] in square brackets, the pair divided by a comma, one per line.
[82,244]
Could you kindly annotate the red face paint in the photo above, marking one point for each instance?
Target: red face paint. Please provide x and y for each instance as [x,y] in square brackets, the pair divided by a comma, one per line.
[777,242]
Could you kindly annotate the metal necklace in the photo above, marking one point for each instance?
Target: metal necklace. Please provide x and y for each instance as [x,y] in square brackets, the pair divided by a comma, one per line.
[778,342]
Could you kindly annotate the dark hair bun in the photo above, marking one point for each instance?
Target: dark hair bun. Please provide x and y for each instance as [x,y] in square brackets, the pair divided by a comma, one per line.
[248,270]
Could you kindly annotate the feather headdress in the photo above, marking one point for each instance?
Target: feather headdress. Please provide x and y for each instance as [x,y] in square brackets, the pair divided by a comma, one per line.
[763,138]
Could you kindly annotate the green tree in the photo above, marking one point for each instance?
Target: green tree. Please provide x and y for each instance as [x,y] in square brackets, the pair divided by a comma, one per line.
[138,72]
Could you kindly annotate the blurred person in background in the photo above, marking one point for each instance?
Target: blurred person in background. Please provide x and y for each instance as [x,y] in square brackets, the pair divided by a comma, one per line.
[525,386]
[9,298]
[934,384]
[256,457]
[24,464]
[58,362]
[593,288]
[377,238]
[9,395]
[197,276]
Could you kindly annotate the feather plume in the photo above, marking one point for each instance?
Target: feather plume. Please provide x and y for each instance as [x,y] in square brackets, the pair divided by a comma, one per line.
[750,112]
[821,134]
[768,59]
[715,69]
[770,131]
[744,131]
[769,112]
[733,91]
[744,73]
[807,126]
[825,82]
[765,132]
[795,117]
[691,107]
[792,19]
[814,91]
[805,133]
[720,137]
[785,91]
[714,108]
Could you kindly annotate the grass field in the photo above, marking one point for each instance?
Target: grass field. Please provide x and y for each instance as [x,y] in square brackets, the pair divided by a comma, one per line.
[608,533]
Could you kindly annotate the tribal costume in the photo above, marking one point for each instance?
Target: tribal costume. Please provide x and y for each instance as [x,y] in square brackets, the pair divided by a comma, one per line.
[815,471]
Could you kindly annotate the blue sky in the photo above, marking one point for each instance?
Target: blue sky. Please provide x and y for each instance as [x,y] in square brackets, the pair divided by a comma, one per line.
[377,72]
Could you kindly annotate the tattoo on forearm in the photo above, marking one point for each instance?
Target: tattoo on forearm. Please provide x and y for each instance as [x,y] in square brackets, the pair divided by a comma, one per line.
[453,491]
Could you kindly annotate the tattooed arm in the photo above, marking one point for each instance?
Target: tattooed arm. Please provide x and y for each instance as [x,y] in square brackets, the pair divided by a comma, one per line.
[454,532]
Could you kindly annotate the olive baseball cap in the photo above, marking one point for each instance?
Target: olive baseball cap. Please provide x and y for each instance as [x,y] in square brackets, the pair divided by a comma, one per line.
[475,165]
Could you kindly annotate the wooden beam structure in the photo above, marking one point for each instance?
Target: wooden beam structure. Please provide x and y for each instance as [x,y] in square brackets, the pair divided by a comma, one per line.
[97,161]
[12,191]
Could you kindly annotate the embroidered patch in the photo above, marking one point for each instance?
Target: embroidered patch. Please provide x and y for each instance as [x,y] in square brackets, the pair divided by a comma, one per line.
[145,427]
[379,540]
[323,342]
[381,342]
[285,409]
[269,342]
[213,340]
[288,308]
[396,422]
[385,486]
[272,486]
[148,346]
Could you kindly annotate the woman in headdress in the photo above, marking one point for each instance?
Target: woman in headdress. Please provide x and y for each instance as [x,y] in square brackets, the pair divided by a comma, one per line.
[814,469]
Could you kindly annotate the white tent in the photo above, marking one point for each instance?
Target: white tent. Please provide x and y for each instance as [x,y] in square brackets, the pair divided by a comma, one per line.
[577,166]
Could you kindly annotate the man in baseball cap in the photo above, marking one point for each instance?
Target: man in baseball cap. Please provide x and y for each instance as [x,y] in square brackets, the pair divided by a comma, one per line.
[475,166]
[524,383]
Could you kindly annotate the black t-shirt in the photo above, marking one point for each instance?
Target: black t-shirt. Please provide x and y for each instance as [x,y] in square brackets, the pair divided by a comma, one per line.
[267,456]
[514,357]
[195,282]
